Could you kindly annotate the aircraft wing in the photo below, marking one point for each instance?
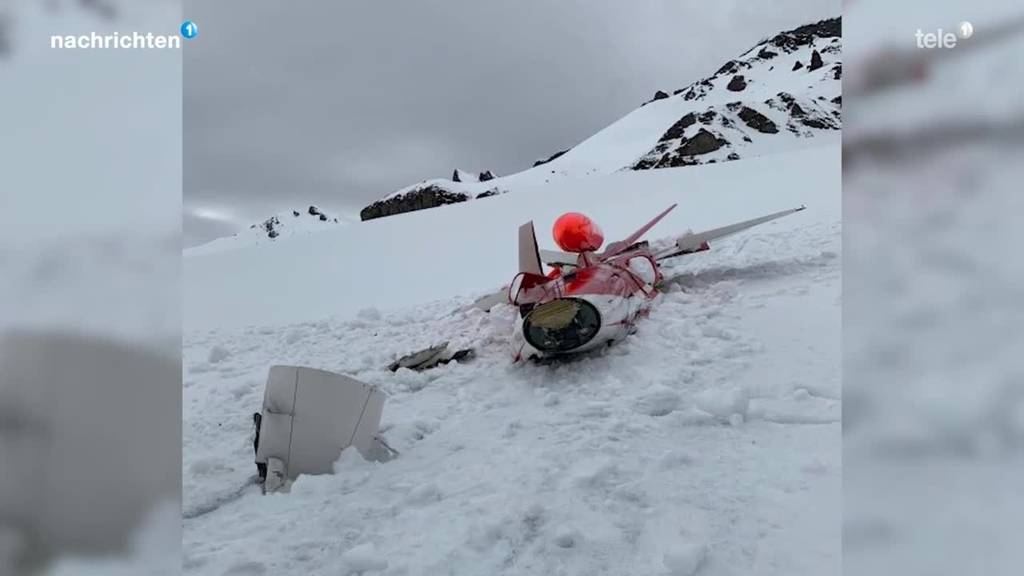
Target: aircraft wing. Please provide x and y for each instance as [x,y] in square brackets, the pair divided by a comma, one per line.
[491,300]
[693,242]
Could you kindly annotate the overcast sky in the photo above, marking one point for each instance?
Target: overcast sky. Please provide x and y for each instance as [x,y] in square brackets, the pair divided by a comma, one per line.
[337,103]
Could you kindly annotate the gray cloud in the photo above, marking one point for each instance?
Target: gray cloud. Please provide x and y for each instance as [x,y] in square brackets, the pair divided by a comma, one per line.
[339,103]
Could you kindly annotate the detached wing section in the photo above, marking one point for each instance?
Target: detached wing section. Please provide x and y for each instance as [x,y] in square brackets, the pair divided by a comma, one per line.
[489,301]
[617,247]
[695,242]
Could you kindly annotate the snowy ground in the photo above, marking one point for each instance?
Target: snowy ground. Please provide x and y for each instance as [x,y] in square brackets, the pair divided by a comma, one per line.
[707,443]
[933,323]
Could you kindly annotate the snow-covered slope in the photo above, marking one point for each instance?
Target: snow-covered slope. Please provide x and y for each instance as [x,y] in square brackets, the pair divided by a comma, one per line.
[277,228]
[706,443]
[469,248]
[782,94]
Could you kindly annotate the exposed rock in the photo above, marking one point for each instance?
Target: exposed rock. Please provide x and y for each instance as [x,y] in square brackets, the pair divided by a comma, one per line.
[804,35]
[707,117]
[659,95]
[820,122]
[757,121]
[837,71]
[815,61]
[732,156]
[464,176]
[550,158]
[702,143]
[785,42]
[488,193]
[270,226]
[838,100]
[314,211]
[685,154]
[295,213]
[677,129]
[417,199]
[737,84]
[729,67]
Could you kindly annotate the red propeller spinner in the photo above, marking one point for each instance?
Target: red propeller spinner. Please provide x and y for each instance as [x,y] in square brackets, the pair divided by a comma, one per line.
[574,232]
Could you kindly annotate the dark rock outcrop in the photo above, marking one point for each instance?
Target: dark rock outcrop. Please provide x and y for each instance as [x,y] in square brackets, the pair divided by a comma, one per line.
[481,177]
[659,95]
[812,117]
[797,65]
[417,199]
[550,158]
[685,154]
[730,67]
[815,61]
[757,121]
[804,35]
[677,129]
[701,143]
[270,226]
[737,84]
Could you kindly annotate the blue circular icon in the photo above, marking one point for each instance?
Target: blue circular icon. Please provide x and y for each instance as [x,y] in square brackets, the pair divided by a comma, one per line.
[189,29]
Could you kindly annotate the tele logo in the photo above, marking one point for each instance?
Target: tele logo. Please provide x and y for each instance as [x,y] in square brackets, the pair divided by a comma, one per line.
[944,39]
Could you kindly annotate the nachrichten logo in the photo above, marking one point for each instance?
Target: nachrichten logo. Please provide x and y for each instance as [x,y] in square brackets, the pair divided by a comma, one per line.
[132,41]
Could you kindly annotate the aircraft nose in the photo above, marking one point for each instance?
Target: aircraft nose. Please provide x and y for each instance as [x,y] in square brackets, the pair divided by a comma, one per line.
[561,325]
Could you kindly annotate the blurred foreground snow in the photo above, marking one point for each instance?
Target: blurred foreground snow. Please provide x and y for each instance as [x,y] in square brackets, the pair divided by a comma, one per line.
[933,313]
[89,306]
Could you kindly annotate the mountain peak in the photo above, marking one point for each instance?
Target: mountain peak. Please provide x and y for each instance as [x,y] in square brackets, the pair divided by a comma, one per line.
[782,93]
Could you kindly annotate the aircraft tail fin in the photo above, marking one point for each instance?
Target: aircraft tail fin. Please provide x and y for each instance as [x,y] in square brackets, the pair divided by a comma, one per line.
[529,255]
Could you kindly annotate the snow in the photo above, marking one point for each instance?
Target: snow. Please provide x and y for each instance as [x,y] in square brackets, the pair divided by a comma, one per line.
[706,443]
[934,325]
[286,224]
